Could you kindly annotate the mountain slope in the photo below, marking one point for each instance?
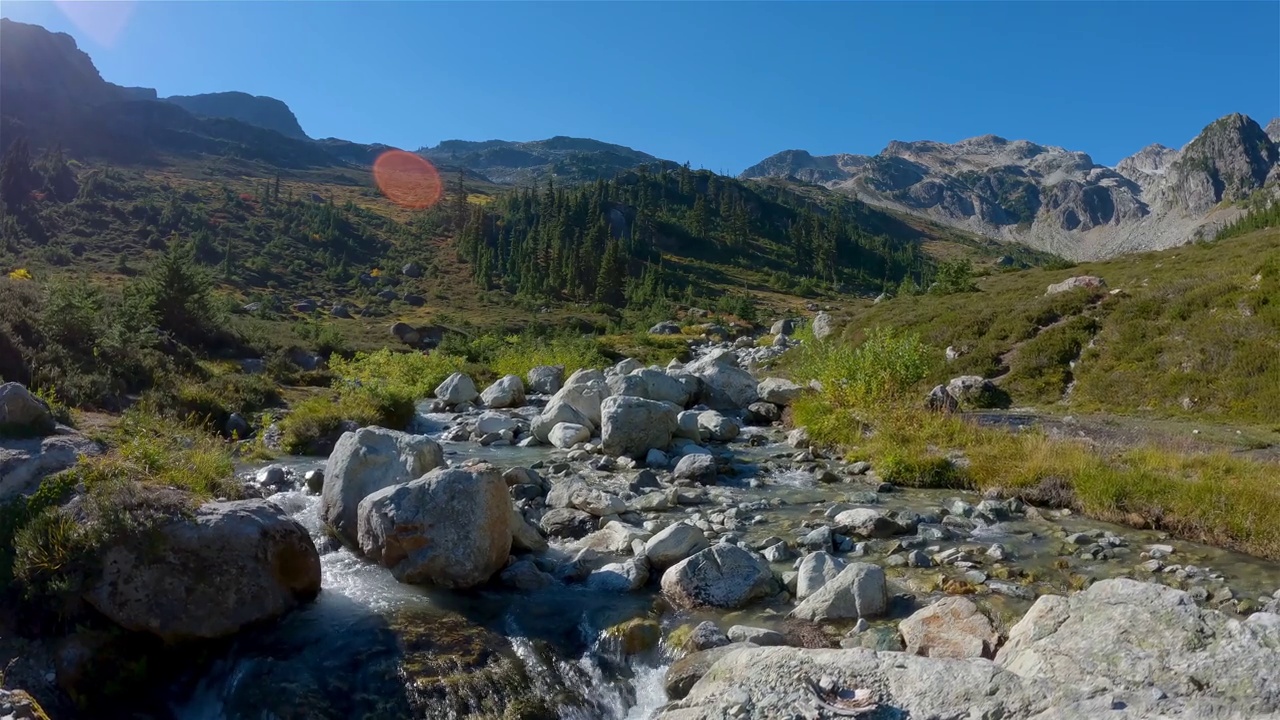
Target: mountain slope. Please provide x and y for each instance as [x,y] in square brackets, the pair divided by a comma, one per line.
[1052,198]
[522,163]
[264,112]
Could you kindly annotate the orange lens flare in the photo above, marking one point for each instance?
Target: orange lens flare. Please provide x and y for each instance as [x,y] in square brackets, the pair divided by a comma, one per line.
[407,180]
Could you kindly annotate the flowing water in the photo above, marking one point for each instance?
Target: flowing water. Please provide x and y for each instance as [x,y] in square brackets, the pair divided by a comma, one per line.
[372,647]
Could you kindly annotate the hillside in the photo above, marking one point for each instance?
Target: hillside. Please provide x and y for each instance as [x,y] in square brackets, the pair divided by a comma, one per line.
[1190,332]
[1052,198]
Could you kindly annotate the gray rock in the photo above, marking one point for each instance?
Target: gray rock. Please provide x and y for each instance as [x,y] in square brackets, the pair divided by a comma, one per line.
[823,326]
[699,468]
[953,627]
[456,389]
[799,438]
[366,461]
[505,392]
[757,636]
[615,537]
[939,400]
[816,570]
[688,670]
[558,411]
[665,328]
[971,389]
[724,576]
[25,462]
[525,575]
[236,427]
[207,576]
[673,544]
[1080,281]
[859,591]
[525,537]
[583,391]
[412,269]
[707,635]
[546,379]
[867,523]
[577,494]
[567,523]
[687,426]
[817,539]
[450,528]
[725,385]
[314,480]
[626,576]
[785,326]
[717,426]
[341,311]
[565,435]
[405,333]
[763,413]
[22,413]
[778,552]
[631,426]
[778,391]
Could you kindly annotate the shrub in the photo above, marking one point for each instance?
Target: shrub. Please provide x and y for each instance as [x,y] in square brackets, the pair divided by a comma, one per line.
[885,367]
[312,425]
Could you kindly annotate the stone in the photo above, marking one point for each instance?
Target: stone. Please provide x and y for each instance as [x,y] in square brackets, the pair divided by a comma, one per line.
[665,328]
[823,326]
[314,480]
[493,422]
[1080,281]
[626,576]
[717,426]
[725,385]
[783,327]
[817,539]
[918,559]
[1121,635]
[757,636]
[411,269]
[584,391]
[972,390]
[777,553]
[698,468]
[405,333]
[22,413]
[577,494]
[525,575]
[546,379]
[558,411]
[450,528]
[859,591]
[953,627]
[631,426]
[615,537]
[673,544]
[687,426]
[565,435]
[456,389]
[227,566]
[867,523]
[525,537]
[505,392]
[366,461]
[939,400]
[26,461]
[778,391]
[799,438]
[706,635]
[567,523]
[688,670]
[816,569]
[723,576]
[236,427]
[656,458]
[341,311]
[763,413]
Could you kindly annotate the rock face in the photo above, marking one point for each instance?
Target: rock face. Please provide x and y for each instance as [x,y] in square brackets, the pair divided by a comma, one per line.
[1124,635]
[450,528]
[724,576]
[231,564]
[23,413]
[859,591]
[457,388]
[507,391]
[631,426]
[264,112]
[1055,199]
[366,461]
[953,627]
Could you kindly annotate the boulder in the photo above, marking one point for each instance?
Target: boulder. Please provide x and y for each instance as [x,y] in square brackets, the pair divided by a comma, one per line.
[717,426]
[23,414]
[450,528]
[558,411]
[972,390]
[565,435]
[673,544]
[575,493]
[687,426]
[756,636]
[799,439]
[706,635]
[25,462]
[405,333]
[631,426]
[778,391]
[525,537]
[763,413]
[228,565]
[698,468]
[1080,281]
[626,366]
[584,391]
[665,328]
[784,327]
[725,386]
[505,392]
[456,389]
[615,537]
[859,591]
[816,570]
[626,576]
[366,461]
[939,400]
[567,523]
[1123,635]
[688,670]
[525,575]
[823,326]
[724,576]
[493,422]
[546,379]
[953,627]
[867,523]
[652,384]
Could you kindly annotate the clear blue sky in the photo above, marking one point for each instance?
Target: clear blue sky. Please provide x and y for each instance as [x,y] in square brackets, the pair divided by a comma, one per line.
[721,85]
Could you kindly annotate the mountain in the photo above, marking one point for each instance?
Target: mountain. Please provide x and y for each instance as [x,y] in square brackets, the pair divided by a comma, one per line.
[1055,199]
[264,112]
[521,163]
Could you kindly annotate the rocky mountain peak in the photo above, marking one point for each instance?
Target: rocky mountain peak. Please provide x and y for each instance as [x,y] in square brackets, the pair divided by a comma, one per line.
[264,112]
[1273,130]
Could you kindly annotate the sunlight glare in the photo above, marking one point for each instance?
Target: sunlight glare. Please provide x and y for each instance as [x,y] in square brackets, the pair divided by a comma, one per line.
[101,21]
[407,180]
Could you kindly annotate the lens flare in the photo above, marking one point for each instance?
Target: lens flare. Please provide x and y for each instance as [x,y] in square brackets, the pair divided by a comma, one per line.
[407,180]
[101,21]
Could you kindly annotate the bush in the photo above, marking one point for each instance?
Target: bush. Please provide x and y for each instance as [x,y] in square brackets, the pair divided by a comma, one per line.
[887,366]
[313,425]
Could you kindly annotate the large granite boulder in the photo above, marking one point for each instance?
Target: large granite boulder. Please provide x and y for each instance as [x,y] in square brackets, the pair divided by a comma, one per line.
[723,576]
[953,627]
[366,461]
[725,385]
[631,426]
[505,392]
[859,591]
[457,389]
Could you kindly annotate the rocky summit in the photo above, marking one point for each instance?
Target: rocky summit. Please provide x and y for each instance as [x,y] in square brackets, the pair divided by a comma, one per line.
[1052,198]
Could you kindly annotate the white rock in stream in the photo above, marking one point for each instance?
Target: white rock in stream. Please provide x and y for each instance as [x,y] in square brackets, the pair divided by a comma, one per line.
[718,426]
[492,422]
[366,461]
[631,426]
[778,391]
[584,391]
[565,435]
[859,591]
[673,544]
[457,388]
[724,576]
[725,385]
[507,391]
[450,528]
[816,570]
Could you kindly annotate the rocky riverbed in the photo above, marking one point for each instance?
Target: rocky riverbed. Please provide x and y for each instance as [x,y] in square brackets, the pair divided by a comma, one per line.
[717,566]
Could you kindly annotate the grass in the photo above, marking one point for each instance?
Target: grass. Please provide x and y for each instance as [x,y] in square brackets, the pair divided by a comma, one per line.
[1191,333]
[311,426]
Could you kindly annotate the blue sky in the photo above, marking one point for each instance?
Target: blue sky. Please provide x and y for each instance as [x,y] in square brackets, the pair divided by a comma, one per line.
[721,85]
